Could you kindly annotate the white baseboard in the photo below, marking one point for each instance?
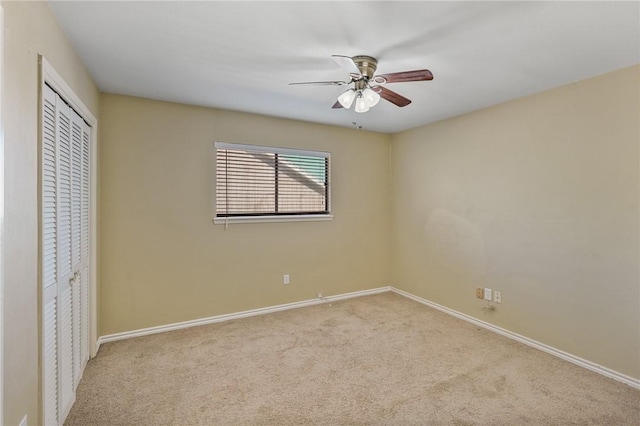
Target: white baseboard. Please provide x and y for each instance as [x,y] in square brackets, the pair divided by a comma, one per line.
[262,311]
[633,382]
[237,315]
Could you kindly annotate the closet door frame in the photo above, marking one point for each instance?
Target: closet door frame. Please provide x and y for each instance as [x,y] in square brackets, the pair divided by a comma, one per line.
[49,76]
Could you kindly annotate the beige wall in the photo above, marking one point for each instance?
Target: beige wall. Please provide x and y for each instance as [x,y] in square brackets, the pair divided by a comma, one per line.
[30,29]
[163,259]
[537,198]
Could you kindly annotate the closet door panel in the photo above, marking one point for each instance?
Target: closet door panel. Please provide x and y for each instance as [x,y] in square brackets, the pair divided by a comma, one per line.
[66,395]
[77,127]
[49,257]
[84,248]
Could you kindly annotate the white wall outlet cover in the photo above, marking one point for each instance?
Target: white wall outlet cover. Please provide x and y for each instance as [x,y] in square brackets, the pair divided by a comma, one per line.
[487,294]
[286,279]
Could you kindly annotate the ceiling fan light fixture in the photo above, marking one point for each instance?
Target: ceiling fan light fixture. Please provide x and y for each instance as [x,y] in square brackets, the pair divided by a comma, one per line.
[370,97]
[346,99]
[361,104]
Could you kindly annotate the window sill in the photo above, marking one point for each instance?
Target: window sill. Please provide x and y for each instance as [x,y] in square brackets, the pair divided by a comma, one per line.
[263,219]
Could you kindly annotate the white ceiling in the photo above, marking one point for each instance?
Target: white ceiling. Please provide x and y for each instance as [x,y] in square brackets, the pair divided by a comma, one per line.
[241,55]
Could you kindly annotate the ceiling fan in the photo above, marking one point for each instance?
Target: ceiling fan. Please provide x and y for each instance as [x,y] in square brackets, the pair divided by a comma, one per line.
[368,88]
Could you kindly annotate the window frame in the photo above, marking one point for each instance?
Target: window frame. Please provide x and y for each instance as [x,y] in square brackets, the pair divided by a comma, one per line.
[261,218]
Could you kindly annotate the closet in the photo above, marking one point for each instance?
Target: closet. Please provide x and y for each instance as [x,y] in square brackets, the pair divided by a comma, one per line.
[65,228]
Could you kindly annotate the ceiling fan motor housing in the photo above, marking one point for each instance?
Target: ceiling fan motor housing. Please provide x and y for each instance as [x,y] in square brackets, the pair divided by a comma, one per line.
[366,64]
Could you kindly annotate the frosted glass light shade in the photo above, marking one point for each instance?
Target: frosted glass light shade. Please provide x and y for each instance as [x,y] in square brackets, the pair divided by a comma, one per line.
[370,97]
[361,104]
[346,99]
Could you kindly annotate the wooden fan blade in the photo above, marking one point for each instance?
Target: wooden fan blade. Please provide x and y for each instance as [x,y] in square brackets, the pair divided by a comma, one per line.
[336,105]
[401,77]
[392,96]
[320,83]
[347,63]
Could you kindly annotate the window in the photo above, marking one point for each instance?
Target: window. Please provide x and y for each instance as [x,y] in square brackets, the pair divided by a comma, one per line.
[266,183]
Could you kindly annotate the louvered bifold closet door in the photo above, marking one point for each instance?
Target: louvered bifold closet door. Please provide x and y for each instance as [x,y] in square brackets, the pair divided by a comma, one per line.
[65,253]
[66,394]
[84,249]
[77,127]
[49,257]
[80,136]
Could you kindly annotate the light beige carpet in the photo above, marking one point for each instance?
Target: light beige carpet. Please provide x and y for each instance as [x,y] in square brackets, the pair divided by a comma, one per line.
[376,360]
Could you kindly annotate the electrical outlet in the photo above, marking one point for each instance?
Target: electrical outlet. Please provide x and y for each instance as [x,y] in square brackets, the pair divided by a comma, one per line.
[487,294]
[319,295]
[479,292]
[497,297]
[286,279]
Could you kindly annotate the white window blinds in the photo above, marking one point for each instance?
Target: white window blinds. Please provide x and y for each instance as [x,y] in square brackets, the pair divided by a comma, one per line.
[255,181]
